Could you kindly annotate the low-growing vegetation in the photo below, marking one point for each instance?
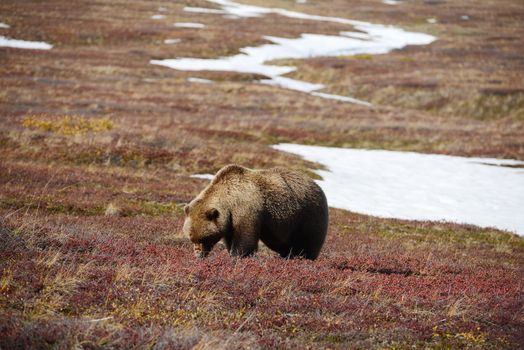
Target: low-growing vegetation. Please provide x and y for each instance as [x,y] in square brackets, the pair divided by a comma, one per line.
[98,147]
[67,125]
[93,281]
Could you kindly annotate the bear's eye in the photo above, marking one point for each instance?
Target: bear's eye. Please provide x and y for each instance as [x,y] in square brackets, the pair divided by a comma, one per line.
[212,214]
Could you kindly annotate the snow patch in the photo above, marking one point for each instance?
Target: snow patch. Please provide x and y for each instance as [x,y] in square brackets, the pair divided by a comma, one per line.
[415,186]
[203,176]
[3,25]
[189,25]
[23,44]
[171,41]
[158,17]
[391,2]
[199,80]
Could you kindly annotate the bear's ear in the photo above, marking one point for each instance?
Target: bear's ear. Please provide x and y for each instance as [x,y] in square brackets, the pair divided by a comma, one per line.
[186,209]
[212,214]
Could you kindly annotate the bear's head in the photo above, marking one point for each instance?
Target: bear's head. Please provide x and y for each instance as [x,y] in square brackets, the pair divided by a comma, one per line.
[209,215]
[204,225]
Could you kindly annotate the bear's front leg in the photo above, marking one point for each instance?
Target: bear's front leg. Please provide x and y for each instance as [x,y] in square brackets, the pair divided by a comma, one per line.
[243,248]
[244,240]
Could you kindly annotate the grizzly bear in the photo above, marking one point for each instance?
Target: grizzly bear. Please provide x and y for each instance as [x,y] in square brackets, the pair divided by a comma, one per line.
[284,209]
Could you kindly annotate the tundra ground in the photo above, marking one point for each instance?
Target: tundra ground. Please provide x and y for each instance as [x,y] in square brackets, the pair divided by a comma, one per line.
[97,146]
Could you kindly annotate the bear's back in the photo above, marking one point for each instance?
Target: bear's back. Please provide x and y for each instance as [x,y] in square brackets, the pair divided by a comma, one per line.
[288,193]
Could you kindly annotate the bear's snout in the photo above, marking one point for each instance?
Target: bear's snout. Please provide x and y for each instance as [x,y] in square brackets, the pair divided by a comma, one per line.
[194,238]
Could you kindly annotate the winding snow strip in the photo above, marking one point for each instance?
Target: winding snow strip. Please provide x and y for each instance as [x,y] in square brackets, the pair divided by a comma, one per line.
[417,186]
[23,44]
[368,39]
[342,98]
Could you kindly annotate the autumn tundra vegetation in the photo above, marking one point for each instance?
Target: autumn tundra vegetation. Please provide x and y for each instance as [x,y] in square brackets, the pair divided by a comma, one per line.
[98,147]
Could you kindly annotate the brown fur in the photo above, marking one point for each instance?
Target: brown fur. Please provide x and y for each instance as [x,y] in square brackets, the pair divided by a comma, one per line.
[283,208]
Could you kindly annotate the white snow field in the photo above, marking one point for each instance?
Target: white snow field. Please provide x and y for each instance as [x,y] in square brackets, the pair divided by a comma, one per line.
[23,44]
[414,186]
[367,39]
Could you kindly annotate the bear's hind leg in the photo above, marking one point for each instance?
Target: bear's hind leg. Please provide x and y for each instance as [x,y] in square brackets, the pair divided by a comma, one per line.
[242,249]
[299,251]
[309,239]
